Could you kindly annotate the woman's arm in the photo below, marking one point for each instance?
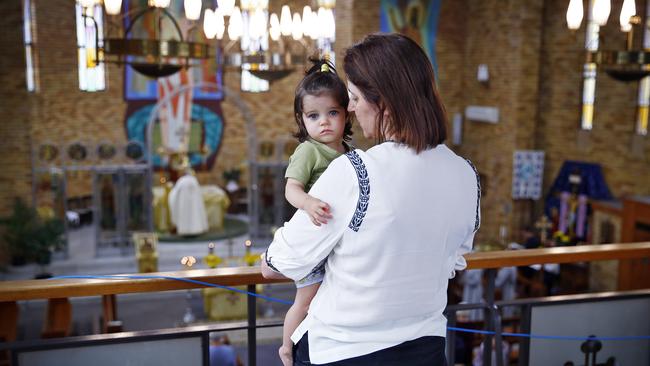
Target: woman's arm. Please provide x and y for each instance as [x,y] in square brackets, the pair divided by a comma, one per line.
[318,210]
[299,246]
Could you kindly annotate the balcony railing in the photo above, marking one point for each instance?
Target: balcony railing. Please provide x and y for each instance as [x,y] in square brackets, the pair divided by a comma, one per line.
[57,291]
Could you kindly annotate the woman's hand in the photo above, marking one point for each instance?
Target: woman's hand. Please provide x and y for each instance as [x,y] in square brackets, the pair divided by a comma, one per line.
[318,211]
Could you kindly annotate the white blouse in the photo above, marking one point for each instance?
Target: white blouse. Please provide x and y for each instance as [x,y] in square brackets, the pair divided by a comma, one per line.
[401,223]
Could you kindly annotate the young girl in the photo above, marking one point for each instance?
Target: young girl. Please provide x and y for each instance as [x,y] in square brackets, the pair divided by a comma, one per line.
[324,127]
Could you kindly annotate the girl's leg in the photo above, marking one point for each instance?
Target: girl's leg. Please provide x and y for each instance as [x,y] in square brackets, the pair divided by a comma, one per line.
[295,315]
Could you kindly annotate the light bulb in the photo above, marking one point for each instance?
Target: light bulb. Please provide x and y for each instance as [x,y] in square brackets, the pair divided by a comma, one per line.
[306,17]
[285,20]
[601,11]
[113,7]
[209,25]
[161,3]
[246,4]
[226,7]
[257,24]
[193,9]
[296,27]
[322,23]
[274,30]
[574,14]
[236,25]
[219,22]
[628,10]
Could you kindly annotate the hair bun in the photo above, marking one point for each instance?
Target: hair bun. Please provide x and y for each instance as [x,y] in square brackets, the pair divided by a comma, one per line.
[320,64]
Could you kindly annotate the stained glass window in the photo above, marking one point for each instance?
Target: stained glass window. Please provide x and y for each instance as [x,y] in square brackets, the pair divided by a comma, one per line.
[90,29]
[589,76]
[29,33]
[644,89]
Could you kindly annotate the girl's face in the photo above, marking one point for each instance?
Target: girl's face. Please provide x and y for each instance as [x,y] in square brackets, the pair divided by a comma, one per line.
[364,111]
[324,119]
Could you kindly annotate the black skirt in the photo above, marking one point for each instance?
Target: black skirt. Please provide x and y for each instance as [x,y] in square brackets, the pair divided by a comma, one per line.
[424,351]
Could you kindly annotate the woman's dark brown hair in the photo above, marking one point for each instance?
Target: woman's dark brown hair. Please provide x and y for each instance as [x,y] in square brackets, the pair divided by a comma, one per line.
[320,81]
[395,75]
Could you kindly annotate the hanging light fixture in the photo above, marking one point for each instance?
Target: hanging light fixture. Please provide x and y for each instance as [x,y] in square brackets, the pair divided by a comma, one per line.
[168,49]
[162,53]
[622,65]
[293,38]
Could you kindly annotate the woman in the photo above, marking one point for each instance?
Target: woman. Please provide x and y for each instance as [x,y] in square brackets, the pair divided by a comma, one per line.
[404,212]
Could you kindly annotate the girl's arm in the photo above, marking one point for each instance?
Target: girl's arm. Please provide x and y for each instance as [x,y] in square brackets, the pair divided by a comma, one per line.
[318,211]
[268,272]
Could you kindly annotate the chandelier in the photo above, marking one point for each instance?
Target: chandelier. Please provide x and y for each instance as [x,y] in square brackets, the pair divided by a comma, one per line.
[171,44]
[292,37]
[623,65]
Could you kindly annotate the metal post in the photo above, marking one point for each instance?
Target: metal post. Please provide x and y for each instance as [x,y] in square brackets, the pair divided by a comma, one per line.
[498,345]
[252,327]
[524,343]
[489,320]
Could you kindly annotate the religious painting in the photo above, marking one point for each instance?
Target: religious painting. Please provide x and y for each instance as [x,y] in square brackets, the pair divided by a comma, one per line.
[134,150]
[146,251]
[77,152]
[417,19]
[146,244]
[527,174]
[106,151]
[47,153]
[199,135]
[567,203]
[138,87]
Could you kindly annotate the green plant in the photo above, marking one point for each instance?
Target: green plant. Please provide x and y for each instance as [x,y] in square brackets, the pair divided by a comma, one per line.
[29,237]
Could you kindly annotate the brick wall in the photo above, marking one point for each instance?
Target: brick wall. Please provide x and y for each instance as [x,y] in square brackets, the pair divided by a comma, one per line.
[535,81]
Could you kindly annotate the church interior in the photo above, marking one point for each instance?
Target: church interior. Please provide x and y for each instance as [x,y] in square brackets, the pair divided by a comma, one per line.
[119,157]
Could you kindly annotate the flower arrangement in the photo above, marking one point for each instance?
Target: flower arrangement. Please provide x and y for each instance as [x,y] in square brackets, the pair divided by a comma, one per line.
[561,239]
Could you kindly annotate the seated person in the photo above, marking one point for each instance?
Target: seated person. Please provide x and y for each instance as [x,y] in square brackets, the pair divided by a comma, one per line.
[222,353]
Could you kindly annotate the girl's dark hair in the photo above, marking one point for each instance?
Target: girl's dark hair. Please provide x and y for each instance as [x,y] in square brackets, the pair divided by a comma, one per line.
[319,81]
[396,76]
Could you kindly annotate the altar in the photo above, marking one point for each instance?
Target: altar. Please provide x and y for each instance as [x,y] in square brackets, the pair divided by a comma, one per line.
[215,200]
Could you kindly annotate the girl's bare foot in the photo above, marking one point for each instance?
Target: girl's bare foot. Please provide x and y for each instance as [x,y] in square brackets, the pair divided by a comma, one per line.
[286,356]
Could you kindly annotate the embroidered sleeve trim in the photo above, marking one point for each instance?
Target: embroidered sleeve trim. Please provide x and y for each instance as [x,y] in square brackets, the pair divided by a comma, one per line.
[477,221]
[268,261]
[364,190]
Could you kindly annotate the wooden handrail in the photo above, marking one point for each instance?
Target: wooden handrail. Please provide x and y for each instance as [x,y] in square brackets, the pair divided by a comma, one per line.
[580,253]
[235,276]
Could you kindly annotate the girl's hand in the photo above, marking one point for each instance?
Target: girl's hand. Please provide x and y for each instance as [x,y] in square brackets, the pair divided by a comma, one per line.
[317,210]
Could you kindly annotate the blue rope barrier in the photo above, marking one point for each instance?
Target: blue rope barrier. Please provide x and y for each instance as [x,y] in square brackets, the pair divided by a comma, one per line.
[196,282]
[286,302]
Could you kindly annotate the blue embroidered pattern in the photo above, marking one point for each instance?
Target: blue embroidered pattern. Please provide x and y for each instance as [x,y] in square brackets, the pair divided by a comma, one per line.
[364,190]
[268,261]
[477,221]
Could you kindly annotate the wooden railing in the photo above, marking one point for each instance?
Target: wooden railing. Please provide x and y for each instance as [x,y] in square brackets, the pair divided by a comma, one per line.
[58,317]
[235,276]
